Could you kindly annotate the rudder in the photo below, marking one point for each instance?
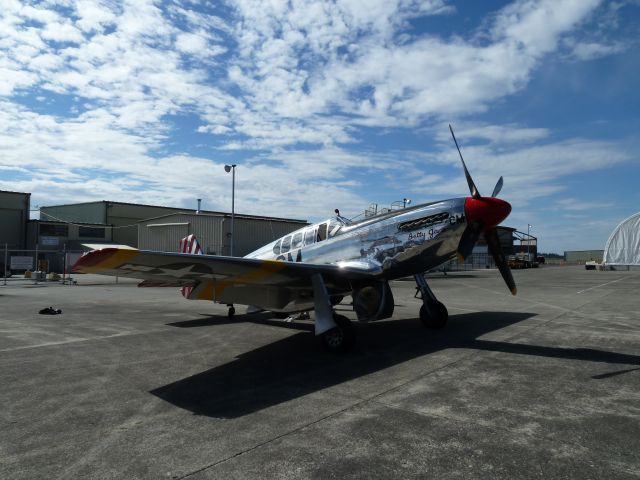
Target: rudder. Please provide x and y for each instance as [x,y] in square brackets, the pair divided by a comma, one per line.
[191,246]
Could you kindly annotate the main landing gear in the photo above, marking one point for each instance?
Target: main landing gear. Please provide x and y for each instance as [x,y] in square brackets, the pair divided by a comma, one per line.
[335,331]
[342,337]
[433,314]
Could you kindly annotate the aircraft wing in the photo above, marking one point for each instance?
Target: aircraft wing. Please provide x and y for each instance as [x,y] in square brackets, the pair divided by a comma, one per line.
[265,283]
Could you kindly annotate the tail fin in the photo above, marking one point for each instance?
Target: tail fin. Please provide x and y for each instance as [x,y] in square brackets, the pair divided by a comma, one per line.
[189,245]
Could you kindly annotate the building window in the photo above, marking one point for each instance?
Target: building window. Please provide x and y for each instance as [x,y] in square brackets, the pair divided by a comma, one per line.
[54,230]
[91,232]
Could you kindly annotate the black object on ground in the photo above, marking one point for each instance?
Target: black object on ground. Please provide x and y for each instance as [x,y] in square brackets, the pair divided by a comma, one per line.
[50,311]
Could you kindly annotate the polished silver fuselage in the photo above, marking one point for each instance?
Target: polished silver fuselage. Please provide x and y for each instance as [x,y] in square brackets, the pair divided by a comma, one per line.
[391,245]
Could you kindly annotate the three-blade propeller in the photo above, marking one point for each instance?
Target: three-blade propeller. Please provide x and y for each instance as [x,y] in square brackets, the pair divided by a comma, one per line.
[483,215]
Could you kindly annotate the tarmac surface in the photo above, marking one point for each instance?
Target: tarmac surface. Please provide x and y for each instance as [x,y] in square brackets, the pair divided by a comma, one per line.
[140,383]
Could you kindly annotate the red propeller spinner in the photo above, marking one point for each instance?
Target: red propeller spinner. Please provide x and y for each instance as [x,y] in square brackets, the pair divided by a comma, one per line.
[489,211]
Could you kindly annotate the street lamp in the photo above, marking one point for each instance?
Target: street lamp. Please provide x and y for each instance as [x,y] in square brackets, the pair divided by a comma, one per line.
[232,169]
[529,242]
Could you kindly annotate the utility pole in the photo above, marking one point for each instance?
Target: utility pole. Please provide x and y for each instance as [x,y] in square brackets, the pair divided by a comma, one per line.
[232,169]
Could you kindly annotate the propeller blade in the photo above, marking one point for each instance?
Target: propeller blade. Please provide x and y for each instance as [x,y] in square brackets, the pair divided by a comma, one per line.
[468,240]
[491,235]
[497,188]
[472,186]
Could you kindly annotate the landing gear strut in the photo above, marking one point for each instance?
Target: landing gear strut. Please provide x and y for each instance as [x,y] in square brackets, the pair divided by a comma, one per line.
[335,331]
[433,314]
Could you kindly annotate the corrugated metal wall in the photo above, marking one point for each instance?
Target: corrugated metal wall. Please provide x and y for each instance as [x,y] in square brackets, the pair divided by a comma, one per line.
[164,234]
[251,234]
[14,216]
[11,228]
[162,237]
[91,212]
[125,217]
[212,231]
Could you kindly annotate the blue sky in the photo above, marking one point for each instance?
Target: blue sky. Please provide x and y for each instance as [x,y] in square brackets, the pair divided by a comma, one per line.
[327,105]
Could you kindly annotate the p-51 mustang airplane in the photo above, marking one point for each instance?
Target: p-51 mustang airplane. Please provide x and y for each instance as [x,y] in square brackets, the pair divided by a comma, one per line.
[314,267]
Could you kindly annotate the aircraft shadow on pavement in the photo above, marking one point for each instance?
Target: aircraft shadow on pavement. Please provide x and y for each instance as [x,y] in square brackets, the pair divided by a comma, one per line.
[296,366]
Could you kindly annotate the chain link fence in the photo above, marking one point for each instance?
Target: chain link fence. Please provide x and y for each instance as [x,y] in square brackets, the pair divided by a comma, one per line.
[37,265]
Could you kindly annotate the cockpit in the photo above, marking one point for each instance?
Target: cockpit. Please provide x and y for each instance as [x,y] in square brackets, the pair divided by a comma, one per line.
[308,236]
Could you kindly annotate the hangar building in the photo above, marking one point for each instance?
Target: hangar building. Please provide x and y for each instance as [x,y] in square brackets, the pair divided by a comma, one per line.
[124,216]
[623,246]
[152,227]
[213,231]
[14,218]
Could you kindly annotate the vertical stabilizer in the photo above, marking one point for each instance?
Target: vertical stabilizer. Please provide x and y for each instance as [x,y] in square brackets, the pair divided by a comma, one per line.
[189,245]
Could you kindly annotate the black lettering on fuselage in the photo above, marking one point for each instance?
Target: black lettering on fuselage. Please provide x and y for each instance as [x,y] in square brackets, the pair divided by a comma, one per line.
[457,218]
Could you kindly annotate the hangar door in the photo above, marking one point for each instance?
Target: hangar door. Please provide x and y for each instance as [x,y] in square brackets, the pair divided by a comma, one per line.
[165,237]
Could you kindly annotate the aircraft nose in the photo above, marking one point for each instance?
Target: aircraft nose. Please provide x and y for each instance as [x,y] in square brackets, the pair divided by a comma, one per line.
[488,210]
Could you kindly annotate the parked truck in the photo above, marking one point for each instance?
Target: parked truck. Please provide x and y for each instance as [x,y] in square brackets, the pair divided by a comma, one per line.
[523,260]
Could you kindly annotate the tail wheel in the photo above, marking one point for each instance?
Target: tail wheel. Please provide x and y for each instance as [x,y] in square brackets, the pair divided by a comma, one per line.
[434,315]
[341,338]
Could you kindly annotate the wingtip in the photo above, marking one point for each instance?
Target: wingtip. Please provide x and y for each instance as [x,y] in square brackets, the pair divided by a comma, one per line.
[514,291]
[90,259]
[96,261]
[460,257]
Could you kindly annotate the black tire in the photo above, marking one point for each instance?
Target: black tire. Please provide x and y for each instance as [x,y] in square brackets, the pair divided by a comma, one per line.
[232,312]
[340,339]
[435,316]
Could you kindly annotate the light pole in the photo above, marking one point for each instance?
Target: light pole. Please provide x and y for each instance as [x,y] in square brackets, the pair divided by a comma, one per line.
[232,169]
[529,242]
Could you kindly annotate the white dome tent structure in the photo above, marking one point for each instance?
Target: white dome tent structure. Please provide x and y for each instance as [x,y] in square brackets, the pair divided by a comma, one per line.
[623,246]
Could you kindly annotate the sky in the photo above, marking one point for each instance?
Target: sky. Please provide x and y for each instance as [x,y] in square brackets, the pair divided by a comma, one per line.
[327,104]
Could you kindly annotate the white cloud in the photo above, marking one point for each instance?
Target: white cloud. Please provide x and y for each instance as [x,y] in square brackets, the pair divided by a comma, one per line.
[303,60]
[591,50]
[94,16]
[580,205]
[503,134]
[293,63]
[535,27]
[530,171]
[190,43]
[287,87]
